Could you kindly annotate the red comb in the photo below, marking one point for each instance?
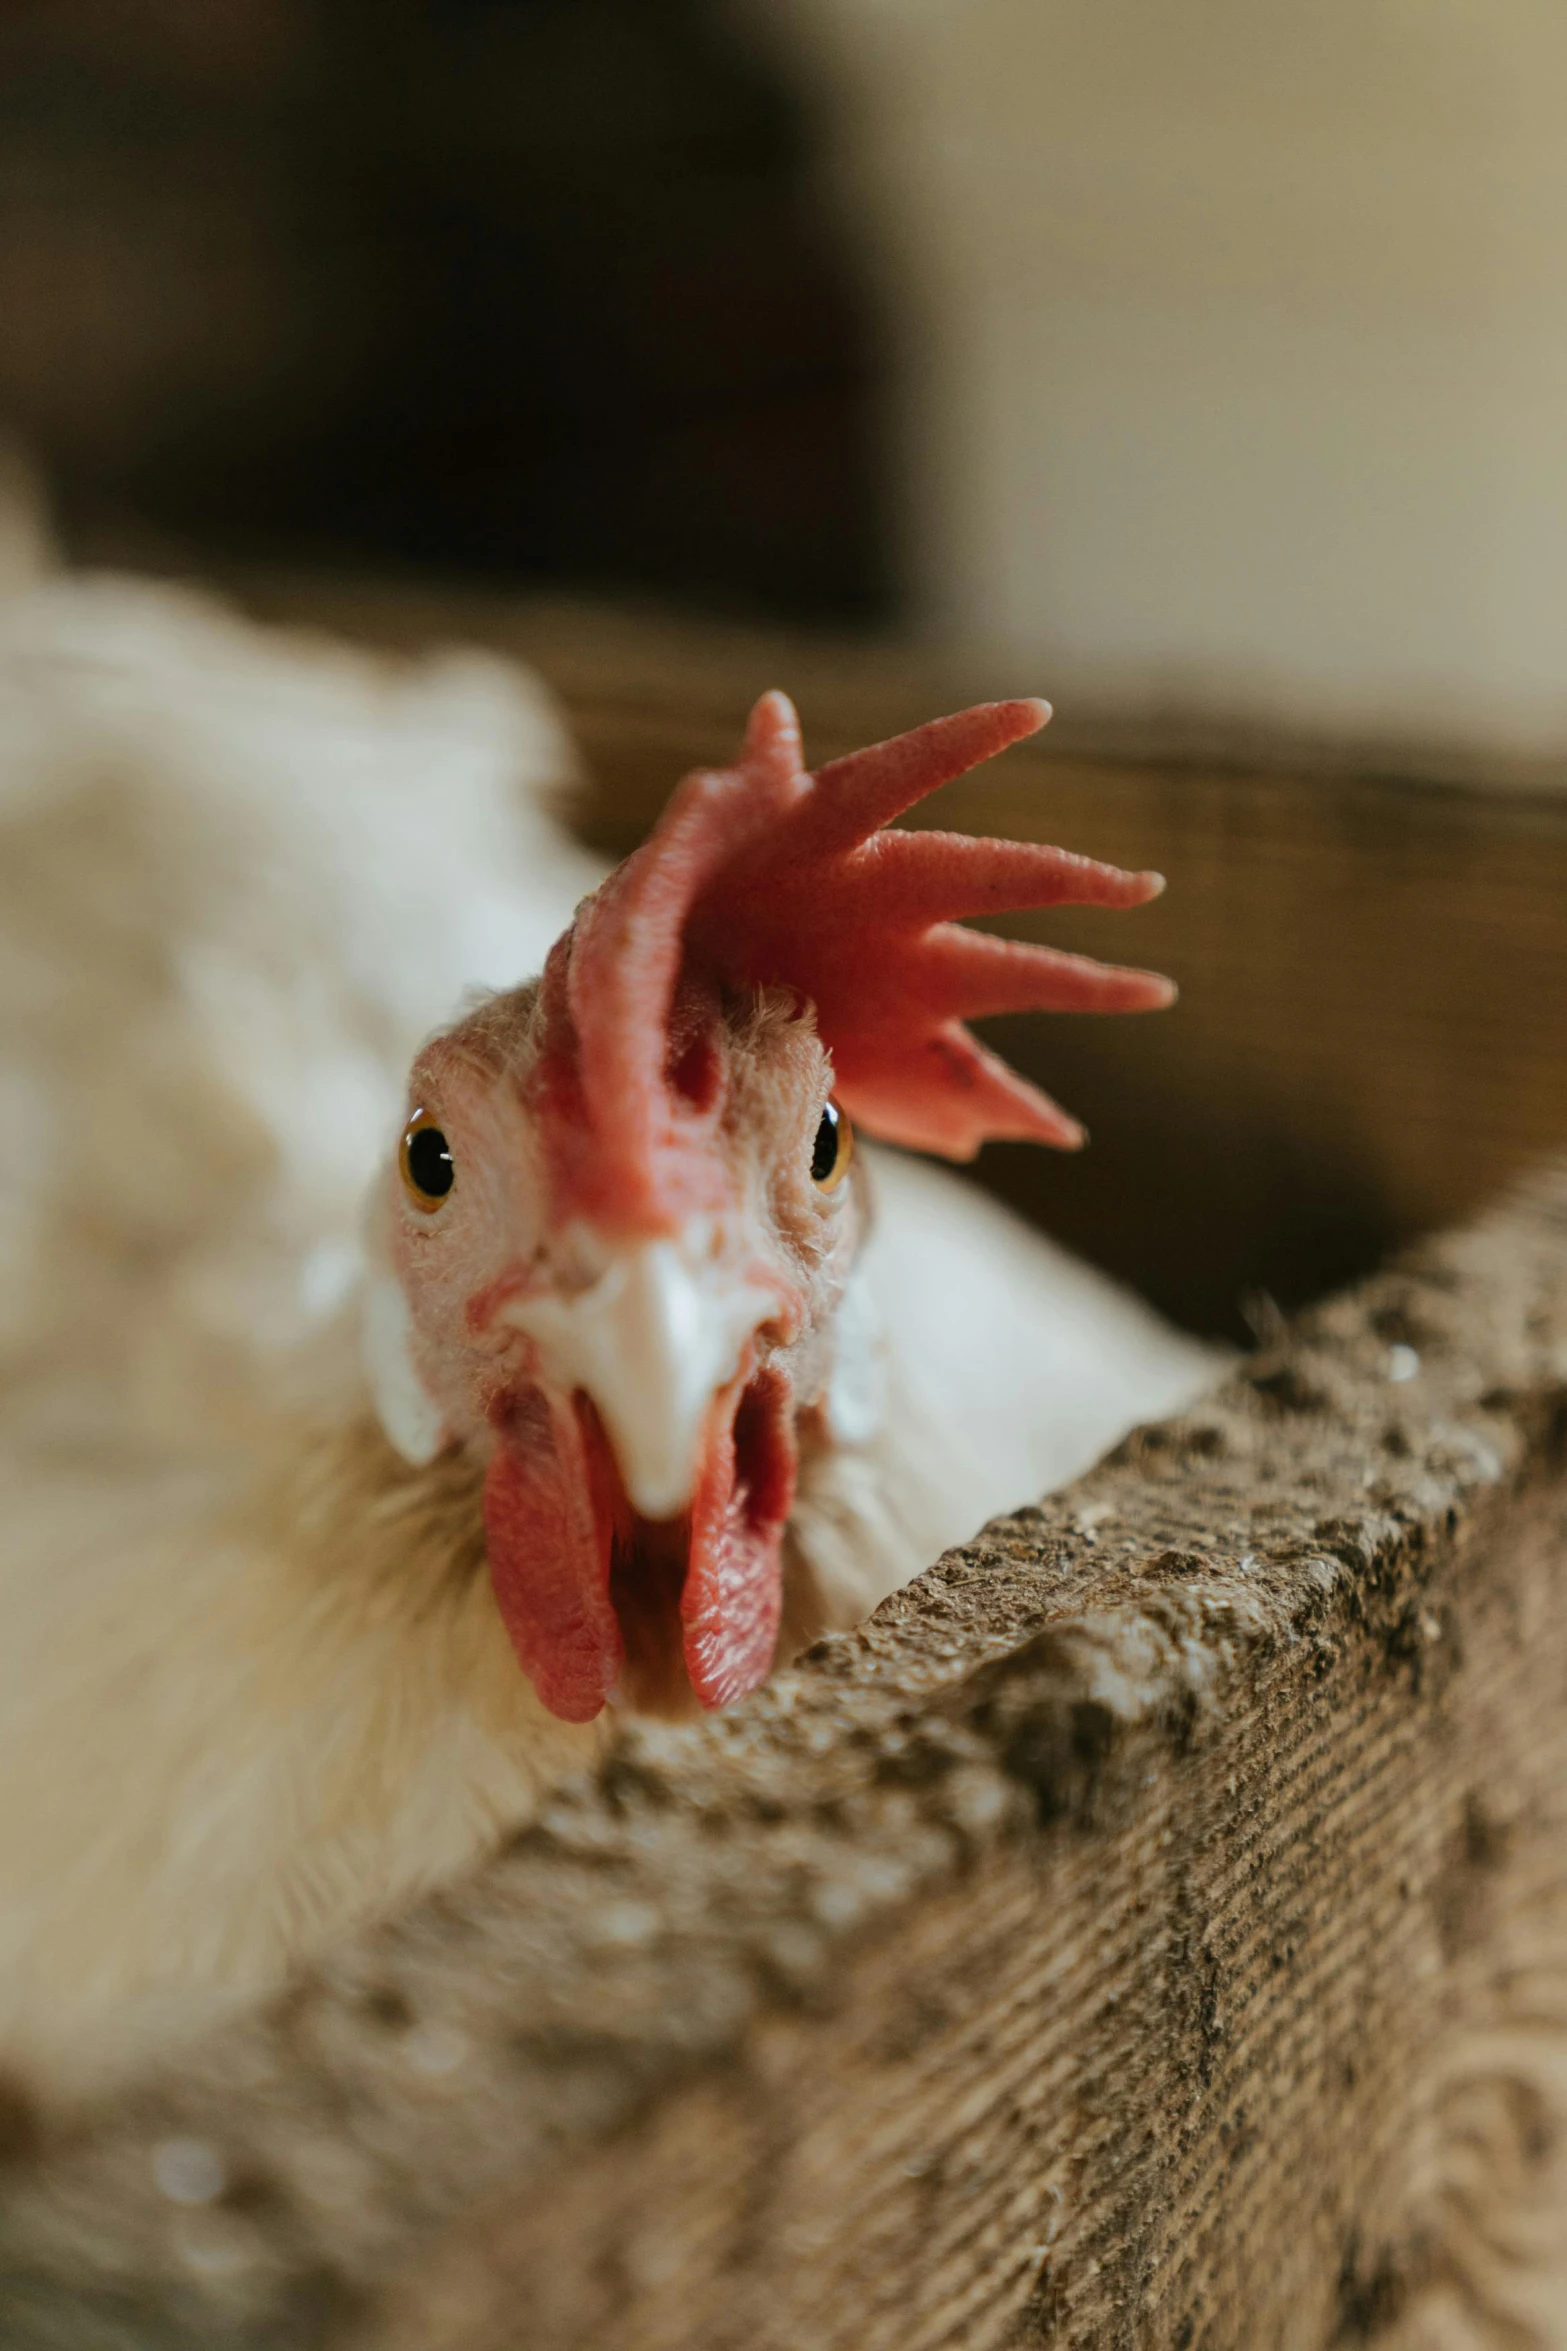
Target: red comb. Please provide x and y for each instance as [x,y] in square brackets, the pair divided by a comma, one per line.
[764,875]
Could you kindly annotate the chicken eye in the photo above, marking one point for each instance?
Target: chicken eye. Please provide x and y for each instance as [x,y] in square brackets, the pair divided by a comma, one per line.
[832,1150]
[426,1159]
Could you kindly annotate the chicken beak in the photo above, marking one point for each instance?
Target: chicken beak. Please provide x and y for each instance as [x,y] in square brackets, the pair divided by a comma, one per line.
[652,1339]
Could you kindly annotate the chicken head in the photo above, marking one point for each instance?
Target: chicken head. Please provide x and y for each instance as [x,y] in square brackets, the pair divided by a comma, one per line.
[626,1205]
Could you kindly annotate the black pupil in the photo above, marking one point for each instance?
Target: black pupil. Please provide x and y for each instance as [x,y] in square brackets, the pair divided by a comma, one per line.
[824,1154]
[430,1162]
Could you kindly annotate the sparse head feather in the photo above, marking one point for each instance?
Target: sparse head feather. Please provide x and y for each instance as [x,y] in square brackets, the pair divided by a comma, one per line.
[764,875]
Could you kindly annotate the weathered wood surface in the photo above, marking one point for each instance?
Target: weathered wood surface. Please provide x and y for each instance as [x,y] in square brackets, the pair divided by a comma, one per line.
[1373,964]
[1150,1930]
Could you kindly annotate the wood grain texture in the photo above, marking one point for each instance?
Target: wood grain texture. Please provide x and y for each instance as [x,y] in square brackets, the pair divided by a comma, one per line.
[1373,963]
[1149,1930]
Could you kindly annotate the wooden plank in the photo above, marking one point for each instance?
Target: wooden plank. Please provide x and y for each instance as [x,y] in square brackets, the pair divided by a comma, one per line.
[1151,1929]
[1373,966]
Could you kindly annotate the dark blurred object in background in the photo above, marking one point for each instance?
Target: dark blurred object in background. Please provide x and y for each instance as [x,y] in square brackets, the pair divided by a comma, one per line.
[528,286]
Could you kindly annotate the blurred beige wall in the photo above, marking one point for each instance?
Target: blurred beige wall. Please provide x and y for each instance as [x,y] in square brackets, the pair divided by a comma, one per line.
[1230,340]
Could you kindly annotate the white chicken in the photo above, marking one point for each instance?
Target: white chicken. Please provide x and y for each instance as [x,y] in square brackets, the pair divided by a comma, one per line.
[255,1684]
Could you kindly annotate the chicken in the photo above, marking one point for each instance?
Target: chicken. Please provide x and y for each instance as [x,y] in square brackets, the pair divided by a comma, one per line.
[622,1234]
[333,1541]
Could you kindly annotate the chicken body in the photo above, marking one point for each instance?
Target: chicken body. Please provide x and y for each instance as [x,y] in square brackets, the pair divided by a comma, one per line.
[255,1686]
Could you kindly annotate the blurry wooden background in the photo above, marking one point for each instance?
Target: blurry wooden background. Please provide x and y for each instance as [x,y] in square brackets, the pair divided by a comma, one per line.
[532,288]
[1373,966]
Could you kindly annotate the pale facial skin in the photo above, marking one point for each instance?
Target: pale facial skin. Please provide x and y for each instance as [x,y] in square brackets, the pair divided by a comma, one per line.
[636,1395]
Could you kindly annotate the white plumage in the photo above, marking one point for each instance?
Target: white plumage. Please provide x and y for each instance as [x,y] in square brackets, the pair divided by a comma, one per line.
[253,1686]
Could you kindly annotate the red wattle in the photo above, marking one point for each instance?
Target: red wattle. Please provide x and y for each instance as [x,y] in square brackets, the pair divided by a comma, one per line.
[733,1592]
[548,1531]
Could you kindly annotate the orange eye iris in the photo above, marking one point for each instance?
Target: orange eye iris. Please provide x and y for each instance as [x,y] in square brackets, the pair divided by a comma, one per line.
[832,1150]
[426,1162]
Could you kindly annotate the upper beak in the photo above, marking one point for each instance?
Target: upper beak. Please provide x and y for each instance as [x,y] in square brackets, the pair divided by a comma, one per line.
[652,1339]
